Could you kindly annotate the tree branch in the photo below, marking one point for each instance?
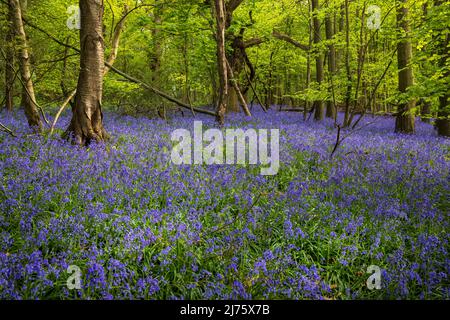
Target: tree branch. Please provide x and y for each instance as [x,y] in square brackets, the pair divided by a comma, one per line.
[232,5]
[288,39]
[7,130]
[253,42]
[158,92]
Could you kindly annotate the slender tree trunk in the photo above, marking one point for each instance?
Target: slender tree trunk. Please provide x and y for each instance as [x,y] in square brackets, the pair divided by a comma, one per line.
[116,41]
[87,119]
[319,110]
[360,67]
[443,116]
[425,111]
[405,116]
[186,89]
[425,106]
[347,65]
[329,30]
[308,66]
[29,99]
[269,93]
[9,69]
[221,61]
[24,7]
[155,57]
[341,25]
[443,120]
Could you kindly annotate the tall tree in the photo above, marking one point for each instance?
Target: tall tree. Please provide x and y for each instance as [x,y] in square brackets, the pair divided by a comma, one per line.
[319,109]
[221,60]
[87,117]
[443,116]
[405,114]
[156,54]
[29,99]
[348,91]
[23,8]
[329,30]
[9,62]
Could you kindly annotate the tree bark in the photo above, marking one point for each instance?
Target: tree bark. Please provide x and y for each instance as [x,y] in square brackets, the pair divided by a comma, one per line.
[443,116]
[360,68]
[23,8]
[236,61]
[29,99]
[237,91]
[329,30]
[405,117]
[155,56]
[87,119]
[9,70]
[319,110]
[348,92]
[308,65]
[221,61]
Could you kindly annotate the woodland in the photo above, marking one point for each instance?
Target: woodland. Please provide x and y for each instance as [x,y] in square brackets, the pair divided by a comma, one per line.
[91,91]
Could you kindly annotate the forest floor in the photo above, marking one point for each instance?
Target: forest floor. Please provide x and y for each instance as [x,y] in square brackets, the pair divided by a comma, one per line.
[139,226]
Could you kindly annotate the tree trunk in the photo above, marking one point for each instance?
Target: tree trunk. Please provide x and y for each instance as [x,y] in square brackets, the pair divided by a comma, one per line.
[443,120]
[236,61]
[425,111]
[87,119]
[341,25]
[347,65]
[9,63]
[186,89]
[359,70]
[237,90]
[329,30]
[443,116]
[319,110]
[405,117]
[221,61]
[308,67]
[23,8]
[29,99]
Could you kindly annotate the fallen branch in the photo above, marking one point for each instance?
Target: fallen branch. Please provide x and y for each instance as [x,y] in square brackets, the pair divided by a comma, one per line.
[292,110]
[158,92]
[288,39]
[7,130]
[338,141]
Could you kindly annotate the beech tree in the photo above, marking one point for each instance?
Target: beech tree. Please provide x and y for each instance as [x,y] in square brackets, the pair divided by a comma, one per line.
[9,62]
[443,41]
[405,114]
[87,117]
[28,97]
[319,109]
[219,9]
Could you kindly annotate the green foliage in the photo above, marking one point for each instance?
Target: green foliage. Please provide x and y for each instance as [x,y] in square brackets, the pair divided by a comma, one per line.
[187,57]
